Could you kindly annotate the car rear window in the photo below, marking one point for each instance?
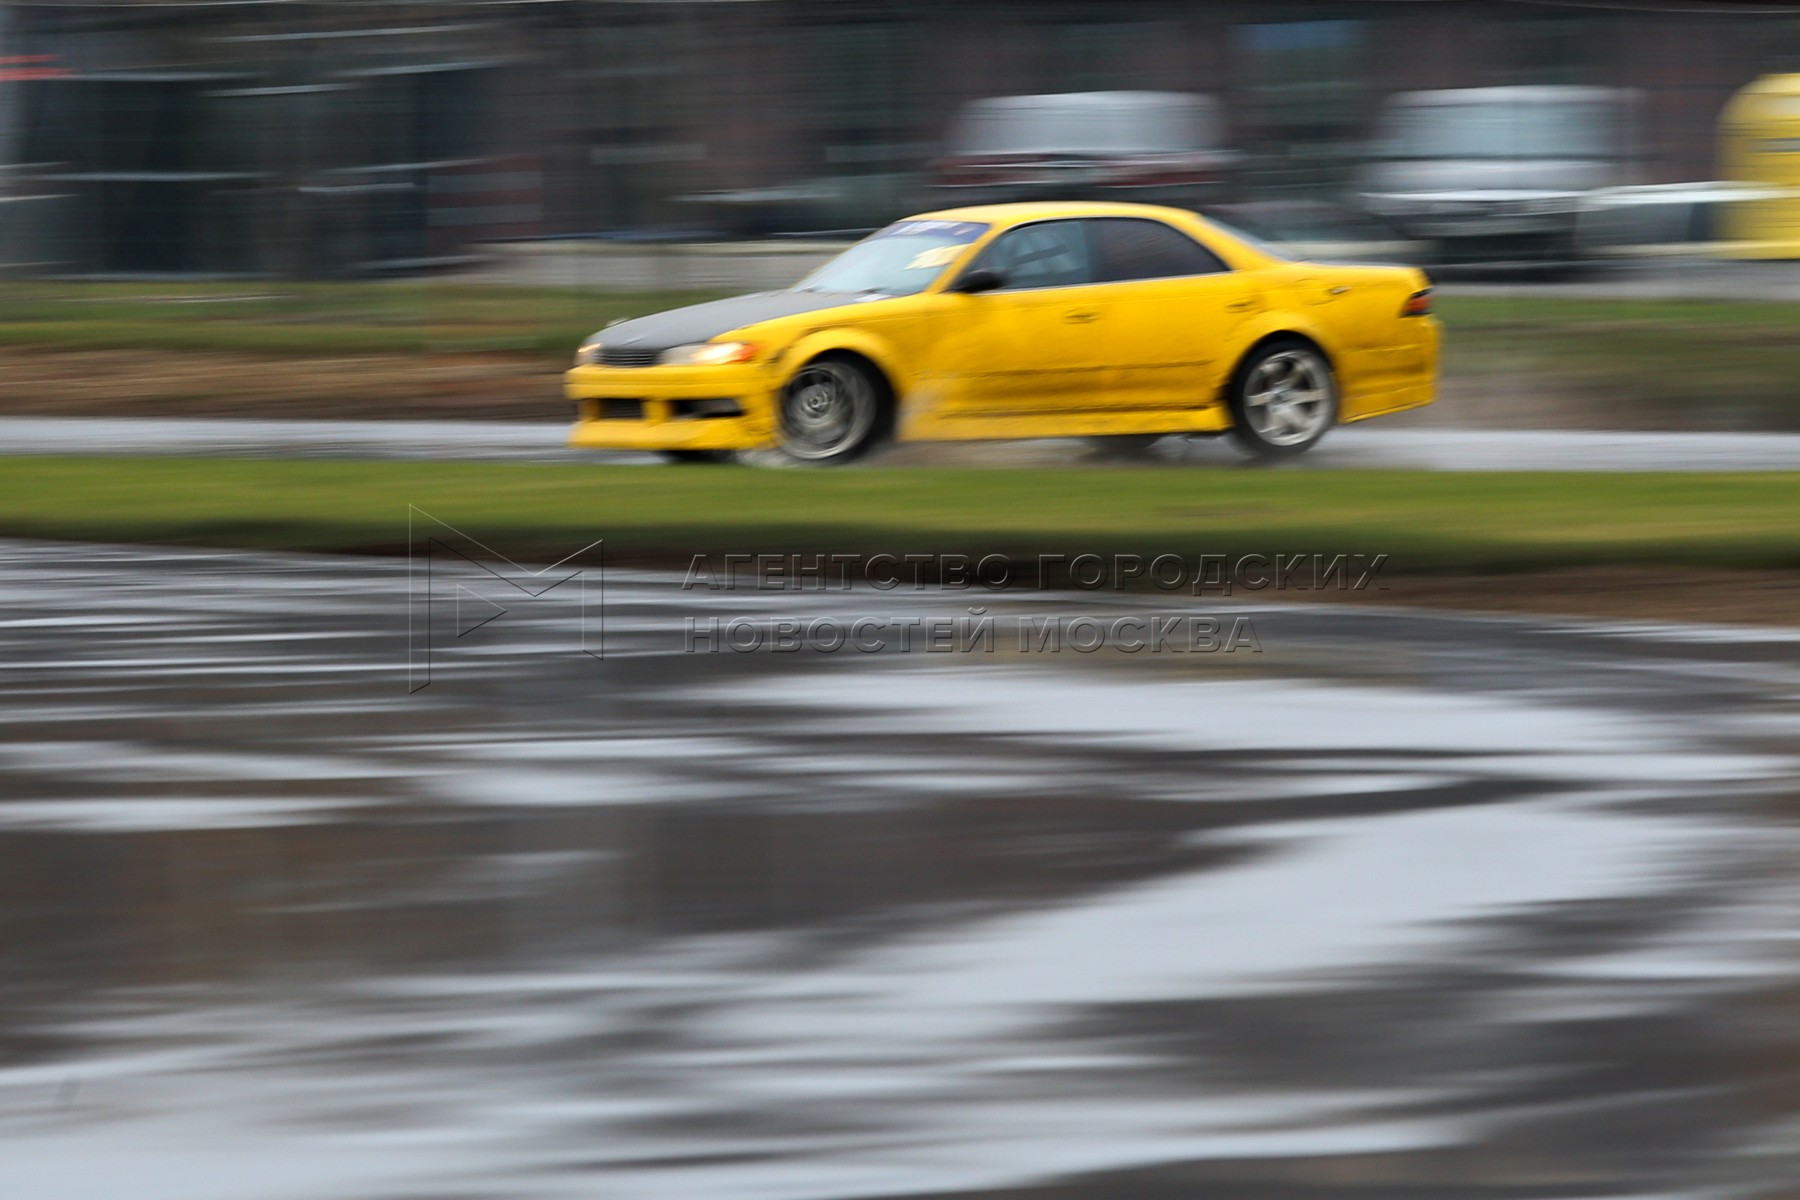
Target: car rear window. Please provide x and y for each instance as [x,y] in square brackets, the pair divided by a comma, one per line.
[1137,248]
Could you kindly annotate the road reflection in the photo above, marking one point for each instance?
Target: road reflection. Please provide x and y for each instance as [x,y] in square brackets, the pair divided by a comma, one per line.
[1400,904]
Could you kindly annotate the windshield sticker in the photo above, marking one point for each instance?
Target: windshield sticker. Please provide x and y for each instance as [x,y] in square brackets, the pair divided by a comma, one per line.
[937,256]
[962,232]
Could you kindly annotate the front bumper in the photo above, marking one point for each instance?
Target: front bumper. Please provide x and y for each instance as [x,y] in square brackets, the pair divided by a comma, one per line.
[661,408]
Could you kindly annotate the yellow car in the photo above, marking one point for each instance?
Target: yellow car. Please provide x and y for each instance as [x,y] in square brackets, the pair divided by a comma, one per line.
[1019,321]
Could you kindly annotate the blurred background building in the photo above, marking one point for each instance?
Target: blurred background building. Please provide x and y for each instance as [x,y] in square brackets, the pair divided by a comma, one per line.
[323,139]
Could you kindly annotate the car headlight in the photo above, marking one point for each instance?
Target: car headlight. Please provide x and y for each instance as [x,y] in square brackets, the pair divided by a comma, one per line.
[709,354]
[588,355]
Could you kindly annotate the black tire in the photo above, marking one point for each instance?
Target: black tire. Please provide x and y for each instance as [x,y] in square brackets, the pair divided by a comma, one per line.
[698,456]
[832,411]
[1283,398]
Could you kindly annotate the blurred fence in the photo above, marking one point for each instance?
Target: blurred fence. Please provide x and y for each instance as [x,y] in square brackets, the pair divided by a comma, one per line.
[324,139]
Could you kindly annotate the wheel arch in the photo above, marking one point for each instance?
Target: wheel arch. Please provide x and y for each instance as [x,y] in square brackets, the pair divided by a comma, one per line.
[1283,334]
[869,352]
[1261,443]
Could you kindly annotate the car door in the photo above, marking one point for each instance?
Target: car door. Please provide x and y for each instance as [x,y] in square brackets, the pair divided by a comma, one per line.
[1029,345]
[1177,315]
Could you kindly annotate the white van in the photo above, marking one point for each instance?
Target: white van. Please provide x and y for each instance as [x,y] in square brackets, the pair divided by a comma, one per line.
[1500,174]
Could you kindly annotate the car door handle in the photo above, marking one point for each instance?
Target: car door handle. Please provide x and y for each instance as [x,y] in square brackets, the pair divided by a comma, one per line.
[1340,289]
[1082,315]
[1243,305]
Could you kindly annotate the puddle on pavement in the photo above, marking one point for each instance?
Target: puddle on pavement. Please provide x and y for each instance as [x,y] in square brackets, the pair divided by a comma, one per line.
[1402,904]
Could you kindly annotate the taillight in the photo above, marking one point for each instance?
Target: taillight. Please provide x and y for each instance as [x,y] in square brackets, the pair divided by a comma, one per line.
[1417,305]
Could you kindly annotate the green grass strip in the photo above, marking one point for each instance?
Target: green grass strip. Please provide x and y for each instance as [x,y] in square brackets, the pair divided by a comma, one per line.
[299,320]
[1426,522]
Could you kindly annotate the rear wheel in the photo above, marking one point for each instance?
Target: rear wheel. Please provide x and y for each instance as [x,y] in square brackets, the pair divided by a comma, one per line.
[1283,399]
[832,411]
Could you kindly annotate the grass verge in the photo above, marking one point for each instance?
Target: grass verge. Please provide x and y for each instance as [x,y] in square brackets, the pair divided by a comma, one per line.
[1636,362]
[1427,523]
[309,319]
[1698,364]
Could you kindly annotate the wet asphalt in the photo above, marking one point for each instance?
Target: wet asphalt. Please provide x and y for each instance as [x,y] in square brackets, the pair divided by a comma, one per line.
[315,885]
[1353,447]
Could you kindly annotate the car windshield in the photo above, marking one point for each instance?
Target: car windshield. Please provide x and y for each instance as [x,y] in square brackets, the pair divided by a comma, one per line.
[901,260]
[1509,130]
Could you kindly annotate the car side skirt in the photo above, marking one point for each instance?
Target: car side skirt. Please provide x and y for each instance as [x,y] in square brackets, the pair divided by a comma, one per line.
[926,427]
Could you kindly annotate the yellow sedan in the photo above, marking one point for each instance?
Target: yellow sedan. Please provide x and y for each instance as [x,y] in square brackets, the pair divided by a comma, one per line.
[1019,321]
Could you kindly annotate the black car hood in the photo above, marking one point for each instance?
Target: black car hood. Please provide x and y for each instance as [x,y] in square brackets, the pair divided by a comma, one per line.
[701,322]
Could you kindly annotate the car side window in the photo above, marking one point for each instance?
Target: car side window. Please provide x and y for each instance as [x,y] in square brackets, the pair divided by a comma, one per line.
[1139,248]
[1041,255]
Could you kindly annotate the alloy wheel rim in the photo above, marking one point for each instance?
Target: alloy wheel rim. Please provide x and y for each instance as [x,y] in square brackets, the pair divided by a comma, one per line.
[1287,398]
[827,409]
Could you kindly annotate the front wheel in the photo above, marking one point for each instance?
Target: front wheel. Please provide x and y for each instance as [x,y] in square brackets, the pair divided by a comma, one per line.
[831,411]
[1283,399]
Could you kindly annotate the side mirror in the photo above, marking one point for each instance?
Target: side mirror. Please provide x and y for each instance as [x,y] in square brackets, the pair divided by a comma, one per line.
[979,280]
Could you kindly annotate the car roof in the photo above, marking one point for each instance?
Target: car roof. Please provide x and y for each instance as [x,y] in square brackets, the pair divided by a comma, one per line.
[1042,210]
[1092,100]
[1513,94]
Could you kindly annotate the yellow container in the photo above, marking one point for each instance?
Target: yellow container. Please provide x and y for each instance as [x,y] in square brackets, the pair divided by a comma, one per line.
[1759,143]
